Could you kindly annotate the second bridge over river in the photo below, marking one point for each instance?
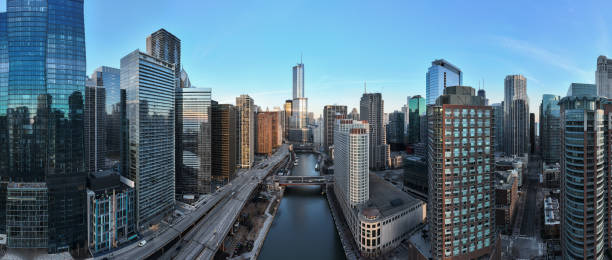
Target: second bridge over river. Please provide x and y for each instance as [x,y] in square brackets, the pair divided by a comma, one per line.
[303,180]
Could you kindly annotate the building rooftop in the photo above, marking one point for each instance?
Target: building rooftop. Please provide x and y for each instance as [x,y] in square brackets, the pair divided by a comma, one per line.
[386,199]
[104,180]
[505,179]
[551,211]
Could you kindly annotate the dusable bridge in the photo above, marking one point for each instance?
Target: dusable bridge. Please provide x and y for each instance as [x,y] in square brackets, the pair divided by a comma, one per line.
[303,180]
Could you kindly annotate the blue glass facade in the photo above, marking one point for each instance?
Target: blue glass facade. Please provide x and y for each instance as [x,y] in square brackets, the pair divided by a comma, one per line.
[440,75]
[417,109]
[148,92]
[109,79]
[42,83]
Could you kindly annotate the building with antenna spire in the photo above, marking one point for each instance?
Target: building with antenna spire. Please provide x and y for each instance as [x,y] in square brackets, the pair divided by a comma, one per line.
[298,123]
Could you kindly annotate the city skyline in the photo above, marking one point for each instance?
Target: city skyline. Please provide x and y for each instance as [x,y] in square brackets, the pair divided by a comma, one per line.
[355,51]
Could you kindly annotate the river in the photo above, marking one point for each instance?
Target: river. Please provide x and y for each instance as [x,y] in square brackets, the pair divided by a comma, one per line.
[303,227]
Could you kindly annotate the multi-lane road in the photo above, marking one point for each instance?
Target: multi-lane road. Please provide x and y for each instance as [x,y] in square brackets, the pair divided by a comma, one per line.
[214,220]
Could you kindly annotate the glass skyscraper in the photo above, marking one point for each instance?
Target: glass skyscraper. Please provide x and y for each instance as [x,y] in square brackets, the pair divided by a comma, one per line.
[42,82]
[416,110]
[165,46]
[108,78]
[193,143]
[516,116]
[549,128]
[148,92]
[440,75]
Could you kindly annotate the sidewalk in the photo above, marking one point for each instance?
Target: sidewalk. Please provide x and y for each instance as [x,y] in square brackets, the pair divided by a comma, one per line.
[350,248]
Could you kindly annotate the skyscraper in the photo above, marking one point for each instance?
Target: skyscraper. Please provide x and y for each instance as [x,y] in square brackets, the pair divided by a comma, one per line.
[246,130]
[288,106]
[95,127]
[109,79]
[585,185]
[372,111]
[298,81]
[351,140]
[498,116]
[165,46]
[581,89]
[603,77]
[440,75]
[298,130]
[395,131]
[532,133]
[267,132]
[224,142]
[550,143]
[354,114]
[42,165]
[460,208]
[148,96]
[516,115]
[330,112]
[417,109]
[193,141]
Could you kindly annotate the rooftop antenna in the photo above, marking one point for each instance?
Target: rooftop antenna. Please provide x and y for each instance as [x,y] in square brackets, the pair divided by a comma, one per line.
[365,91]
[300,57]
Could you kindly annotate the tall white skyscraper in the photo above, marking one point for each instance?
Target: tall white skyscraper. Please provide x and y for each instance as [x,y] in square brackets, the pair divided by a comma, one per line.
[603,76]
[351,142]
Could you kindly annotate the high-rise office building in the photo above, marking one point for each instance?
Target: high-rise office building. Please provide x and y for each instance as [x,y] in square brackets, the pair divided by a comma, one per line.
[516,116]
[460,208]
[498,116]
[42,88]
[372,111]
[550,139]
[165,46]
[95,127]
[330,112]
[417,109]
[288,106]
[581,89]
[603,77]
[246,131]
[440,75]
[585,185]
[193,141]
[108,78]
[224,142]
[482,93]
[532,133]
[395,131]
[354,114]
[148,140]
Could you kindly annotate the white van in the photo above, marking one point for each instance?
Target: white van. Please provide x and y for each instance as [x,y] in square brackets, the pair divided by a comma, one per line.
[142,243]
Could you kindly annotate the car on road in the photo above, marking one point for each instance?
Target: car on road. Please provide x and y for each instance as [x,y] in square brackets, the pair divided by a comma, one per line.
[142,243]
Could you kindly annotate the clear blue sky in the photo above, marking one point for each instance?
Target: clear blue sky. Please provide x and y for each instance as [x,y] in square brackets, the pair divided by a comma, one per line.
[238,47]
